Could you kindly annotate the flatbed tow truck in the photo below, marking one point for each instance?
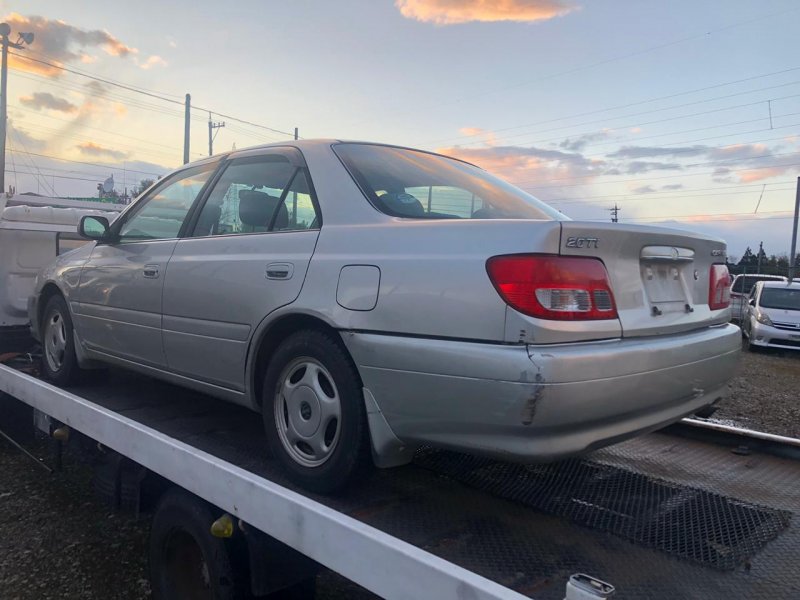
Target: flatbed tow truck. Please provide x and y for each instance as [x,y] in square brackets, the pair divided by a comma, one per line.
[698,510]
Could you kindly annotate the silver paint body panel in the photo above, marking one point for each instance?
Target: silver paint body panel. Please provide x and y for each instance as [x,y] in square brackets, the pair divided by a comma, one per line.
[443,359]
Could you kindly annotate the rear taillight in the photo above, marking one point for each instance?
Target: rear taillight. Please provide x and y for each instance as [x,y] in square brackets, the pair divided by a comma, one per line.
[719,287]
[553,287]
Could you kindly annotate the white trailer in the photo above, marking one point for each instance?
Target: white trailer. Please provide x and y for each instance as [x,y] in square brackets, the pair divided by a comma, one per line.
[33,231]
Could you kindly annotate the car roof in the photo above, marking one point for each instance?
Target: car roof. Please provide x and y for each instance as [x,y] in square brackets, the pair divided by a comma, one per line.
[780,284]
[311,143]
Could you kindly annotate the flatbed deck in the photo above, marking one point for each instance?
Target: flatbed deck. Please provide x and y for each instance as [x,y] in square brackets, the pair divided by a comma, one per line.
[660,516]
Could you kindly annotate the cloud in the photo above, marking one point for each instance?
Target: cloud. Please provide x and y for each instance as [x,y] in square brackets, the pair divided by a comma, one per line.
[153,61]
[46,100]
[645,189]
[752,175]
[92,149]
[656,151]
[577,144]
[672,186]
[487,136]
[61,43]
[96,88]
[29,143]
[531,166]
[735,151]
[453,12]
[641,166]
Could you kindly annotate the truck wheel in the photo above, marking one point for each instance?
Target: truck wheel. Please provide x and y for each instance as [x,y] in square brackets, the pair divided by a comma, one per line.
[186,561]
[59,361]
[314,413]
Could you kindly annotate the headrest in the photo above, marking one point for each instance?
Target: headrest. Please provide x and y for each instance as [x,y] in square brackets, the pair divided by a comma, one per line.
[256,209]
[402,204]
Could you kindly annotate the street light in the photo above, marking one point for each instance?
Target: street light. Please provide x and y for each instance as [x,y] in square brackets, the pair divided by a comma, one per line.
[23,39]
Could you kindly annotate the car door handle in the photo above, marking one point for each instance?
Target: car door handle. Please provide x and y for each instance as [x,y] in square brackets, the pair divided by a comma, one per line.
[151,271]
[280,271]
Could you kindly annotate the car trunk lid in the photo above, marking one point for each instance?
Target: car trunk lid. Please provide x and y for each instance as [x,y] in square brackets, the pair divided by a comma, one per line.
[659,277]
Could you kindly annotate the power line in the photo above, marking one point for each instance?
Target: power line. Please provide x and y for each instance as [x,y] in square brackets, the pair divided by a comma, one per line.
[15,133]
[631,104]
[671,194]
[744,217]
[91,164]
[147,93]
[795,164]
[654,122]
[83,126]
[56,176]
[96,78]
[52,58]
[612,59]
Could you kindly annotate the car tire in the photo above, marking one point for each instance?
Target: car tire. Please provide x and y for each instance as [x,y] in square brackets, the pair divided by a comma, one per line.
[186,561]
[314,415]
[59,360]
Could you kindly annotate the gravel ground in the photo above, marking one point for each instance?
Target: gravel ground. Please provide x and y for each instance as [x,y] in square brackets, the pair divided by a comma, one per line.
[57,541]
[765,395]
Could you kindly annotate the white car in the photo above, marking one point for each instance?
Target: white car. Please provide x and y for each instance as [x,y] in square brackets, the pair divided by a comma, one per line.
[740,292]
[773,315]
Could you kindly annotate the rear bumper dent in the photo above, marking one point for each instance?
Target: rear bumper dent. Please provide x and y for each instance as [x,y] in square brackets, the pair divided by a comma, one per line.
[539,403]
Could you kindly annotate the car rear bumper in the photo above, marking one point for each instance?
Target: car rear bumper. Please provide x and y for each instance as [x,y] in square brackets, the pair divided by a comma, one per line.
[768,336]
[539,403]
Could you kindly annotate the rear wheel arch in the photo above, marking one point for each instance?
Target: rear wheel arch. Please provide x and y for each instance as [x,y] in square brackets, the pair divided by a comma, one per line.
[271,337]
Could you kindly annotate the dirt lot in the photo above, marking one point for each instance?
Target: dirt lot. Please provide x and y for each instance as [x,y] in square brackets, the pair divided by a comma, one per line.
[58,541]
[766,394]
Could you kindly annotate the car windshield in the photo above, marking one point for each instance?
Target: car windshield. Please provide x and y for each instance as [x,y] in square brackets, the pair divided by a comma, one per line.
[785,298]
[744,283]
[419,185]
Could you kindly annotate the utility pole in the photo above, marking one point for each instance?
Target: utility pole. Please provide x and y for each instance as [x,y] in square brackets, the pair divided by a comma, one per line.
[24,38]
[187,119]
[294,194]
[793,251]
[211,134]
[615,213]
[760,252]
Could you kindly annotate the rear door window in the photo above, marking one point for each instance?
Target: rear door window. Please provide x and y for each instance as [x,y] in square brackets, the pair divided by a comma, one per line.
[257,195]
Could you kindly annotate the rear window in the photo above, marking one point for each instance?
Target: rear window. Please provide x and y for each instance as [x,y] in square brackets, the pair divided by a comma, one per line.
[418,185]
[743,284]
[787,299]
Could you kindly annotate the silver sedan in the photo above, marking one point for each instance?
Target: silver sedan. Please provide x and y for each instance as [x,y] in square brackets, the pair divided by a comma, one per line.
[367,299]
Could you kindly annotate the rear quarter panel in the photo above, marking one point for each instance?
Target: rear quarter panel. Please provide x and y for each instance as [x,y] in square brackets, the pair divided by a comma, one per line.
[433,279]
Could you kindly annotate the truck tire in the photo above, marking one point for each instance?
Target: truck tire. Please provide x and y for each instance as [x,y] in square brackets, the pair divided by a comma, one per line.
[186,561]
[59,360]
[313,409]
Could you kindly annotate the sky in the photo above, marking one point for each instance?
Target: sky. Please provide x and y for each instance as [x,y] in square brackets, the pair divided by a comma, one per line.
[681,113]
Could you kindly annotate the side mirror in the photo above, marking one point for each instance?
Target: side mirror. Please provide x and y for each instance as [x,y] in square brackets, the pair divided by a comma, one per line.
[93,228]
[752,302]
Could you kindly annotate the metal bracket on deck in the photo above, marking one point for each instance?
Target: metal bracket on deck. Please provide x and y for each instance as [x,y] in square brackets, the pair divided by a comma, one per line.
[586,587]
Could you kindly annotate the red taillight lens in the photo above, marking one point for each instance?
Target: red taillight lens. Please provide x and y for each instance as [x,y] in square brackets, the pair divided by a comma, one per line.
[564,288]
[719,287]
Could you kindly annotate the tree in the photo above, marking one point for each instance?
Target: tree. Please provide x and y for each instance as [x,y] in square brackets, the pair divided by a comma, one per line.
[143,185]
[748,259]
